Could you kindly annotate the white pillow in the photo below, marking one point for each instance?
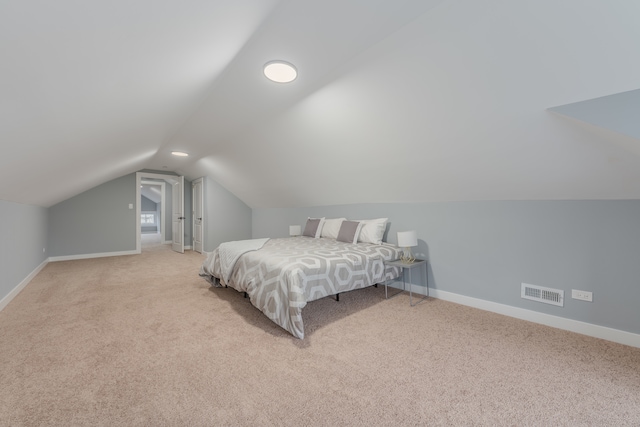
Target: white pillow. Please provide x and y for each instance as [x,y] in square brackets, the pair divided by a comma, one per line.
[372,230]
[331,228]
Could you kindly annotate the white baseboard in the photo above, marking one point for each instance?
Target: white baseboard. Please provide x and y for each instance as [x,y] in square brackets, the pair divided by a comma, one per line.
[596,331]
[11,295]
[87,256]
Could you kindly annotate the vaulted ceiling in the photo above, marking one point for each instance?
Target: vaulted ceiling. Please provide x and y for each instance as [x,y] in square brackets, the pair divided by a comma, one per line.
[395,101]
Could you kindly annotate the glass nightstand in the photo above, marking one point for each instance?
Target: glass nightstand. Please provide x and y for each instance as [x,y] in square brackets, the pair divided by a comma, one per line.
[419,263]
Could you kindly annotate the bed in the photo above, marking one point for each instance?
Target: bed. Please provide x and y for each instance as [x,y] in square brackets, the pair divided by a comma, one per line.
[281,275]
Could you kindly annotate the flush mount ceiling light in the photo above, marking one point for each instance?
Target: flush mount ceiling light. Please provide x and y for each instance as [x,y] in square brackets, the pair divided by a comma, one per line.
[280,71]
[179,153]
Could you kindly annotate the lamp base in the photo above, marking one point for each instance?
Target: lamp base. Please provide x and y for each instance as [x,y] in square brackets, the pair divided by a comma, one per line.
[407,257]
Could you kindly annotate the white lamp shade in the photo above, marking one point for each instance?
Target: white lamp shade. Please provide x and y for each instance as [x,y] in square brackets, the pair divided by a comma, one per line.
[295,230]
[407,239]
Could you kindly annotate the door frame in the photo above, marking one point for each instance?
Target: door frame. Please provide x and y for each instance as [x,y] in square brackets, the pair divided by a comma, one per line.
[140,176]
[163,207]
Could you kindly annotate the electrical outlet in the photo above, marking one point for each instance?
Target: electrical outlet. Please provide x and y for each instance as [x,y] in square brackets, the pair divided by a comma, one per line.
[582,295]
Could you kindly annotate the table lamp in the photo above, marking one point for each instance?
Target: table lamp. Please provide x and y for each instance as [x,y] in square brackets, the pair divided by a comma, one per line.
[406,240]
[294,230]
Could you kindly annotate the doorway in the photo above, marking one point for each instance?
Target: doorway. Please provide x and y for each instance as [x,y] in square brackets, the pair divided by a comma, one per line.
[152,213]
[172,214]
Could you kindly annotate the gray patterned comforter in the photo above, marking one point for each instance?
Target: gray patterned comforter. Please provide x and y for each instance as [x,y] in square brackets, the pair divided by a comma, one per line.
[285,274]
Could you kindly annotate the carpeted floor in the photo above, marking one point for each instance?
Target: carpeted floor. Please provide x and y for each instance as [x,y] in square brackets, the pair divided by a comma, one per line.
[142,340]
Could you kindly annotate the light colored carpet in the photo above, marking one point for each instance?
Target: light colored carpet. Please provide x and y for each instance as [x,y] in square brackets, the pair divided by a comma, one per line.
[142,340]
[150,239]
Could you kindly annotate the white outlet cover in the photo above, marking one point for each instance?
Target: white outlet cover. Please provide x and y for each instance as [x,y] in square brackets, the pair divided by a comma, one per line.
[581,295]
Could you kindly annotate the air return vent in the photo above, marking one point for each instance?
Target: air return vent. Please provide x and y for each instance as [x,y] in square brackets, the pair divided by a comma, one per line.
[542,294]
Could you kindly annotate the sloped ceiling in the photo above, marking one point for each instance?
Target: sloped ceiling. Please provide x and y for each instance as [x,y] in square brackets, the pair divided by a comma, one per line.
[151,192]
[396,101]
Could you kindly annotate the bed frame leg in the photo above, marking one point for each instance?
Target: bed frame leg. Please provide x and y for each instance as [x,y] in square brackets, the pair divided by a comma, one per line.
[245,294]
[337,297]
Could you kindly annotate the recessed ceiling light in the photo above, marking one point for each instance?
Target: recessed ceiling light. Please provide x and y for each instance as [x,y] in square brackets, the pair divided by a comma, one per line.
[179,153]
[280,71]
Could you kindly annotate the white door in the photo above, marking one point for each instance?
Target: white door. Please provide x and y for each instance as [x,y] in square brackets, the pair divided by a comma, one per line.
[178,215]
[198,227]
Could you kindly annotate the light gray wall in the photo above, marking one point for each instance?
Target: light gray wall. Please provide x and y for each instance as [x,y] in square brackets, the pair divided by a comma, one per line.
[148,205]
[616,112]
[486,250]
[227,218]
[23,235]
[100,221]
[96,221]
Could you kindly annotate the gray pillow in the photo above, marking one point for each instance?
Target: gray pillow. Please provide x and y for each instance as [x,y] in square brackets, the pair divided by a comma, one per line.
[311,228]
[349,232]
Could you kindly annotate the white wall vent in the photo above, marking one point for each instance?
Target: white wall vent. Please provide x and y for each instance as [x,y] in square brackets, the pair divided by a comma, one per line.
[542,294]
